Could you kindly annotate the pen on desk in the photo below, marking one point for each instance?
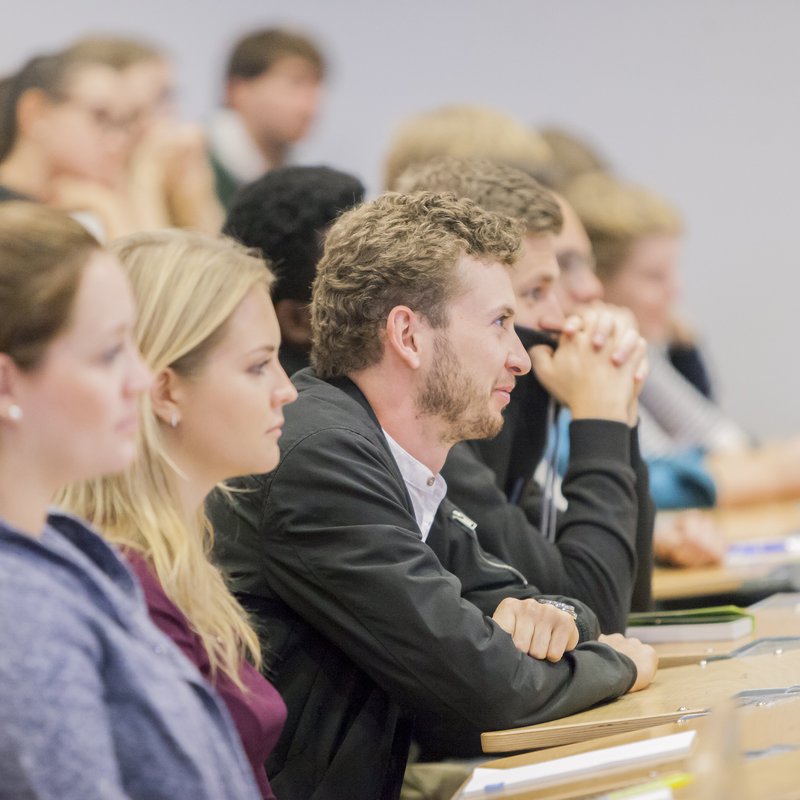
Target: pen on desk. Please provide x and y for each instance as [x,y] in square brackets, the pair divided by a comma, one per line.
[742,551]
[754,548]
[660,789]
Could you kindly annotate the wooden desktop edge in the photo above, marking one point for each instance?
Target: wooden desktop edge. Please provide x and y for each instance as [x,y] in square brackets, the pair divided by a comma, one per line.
[675,693]
[515,739]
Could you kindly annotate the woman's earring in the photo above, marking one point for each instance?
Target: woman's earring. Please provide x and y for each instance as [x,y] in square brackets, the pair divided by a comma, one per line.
[14,413]
[173,420]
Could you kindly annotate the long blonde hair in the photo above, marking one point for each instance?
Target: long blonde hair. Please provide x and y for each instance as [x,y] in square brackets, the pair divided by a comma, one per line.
[186,286]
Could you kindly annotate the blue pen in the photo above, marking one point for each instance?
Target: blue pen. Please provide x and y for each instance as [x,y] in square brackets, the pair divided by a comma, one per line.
[742,552]
[754,548]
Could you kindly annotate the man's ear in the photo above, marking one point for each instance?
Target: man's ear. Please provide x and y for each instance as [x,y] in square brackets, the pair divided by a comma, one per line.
[166,396]
[405,335]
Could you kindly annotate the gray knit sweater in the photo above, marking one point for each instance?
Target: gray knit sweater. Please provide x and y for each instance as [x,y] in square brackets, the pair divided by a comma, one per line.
[95,703]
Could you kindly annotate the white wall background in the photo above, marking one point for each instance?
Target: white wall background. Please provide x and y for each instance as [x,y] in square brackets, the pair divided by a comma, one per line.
[696,98]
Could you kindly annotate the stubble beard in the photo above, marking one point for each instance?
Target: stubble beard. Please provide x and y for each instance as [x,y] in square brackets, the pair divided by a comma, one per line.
[452,395]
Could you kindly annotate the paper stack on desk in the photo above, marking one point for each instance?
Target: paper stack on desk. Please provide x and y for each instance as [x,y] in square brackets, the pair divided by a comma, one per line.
[649,752]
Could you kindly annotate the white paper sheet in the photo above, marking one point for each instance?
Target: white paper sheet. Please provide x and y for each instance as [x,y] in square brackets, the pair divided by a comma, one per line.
[488,781]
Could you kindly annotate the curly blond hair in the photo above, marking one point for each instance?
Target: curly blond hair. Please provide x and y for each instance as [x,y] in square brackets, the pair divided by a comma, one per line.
[494,187]
[396,250]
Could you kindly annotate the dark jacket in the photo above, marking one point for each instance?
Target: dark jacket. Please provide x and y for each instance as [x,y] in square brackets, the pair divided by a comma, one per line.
[225,184]
[366,630]
[603,553]
[689,361]
[292,358]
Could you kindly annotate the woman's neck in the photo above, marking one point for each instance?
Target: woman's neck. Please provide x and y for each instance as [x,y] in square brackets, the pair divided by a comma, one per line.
[24,497]
[191,484]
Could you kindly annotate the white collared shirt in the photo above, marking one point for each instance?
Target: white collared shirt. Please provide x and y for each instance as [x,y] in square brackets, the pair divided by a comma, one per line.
[425,489]
[233,146]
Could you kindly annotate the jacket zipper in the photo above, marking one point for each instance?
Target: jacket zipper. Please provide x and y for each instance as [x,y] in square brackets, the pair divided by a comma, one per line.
[470,525]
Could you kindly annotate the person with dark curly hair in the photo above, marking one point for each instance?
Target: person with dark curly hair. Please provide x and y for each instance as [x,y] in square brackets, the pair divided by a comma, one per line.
[285,214]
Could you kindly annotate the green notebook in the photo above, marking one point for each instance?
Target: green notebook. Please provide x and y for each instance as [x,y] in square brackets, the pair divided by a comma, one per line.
[691,624]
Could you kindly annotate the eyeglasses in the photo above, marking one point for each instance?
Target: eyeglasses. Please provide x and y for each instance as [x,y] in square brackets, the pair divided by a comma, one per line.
[573,261]
[103,118]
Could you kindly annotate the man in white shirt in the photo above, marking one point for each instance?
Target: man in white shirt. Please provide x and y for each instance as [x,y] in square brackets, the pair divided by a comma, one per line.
[273,88]
[377,621]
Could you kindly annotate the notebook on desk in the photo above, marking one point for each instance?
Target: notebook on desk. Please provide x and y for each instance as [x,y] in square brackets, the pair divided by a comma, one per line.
[691,625]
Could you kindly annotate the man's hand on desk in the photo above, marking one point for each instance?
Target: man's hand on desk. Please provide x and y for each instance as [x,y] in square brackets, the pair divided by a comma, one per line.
[688,539]
[538,629]
[642,655]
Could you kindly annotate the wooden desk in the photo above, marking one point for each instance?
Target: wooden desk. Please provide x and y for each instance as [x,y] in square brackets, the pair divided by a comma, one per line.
[781,619]
[672,583]
[760,727]
[760,521]
[757,729]
[764,521]
[673,693]
[767,521]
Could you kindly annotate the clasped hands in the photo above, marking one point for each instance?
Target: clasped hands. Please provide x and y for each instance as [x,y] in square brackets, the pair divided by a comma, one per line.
[599,367]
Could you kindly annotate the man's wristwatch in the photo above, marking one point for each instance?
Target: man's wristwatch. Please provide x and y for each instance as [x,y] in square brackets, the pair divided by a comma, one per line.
[566,607]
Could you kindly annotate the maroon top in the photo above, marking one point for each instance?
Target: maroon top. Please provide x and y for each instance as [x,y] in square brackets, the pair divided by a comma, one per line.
[259,713]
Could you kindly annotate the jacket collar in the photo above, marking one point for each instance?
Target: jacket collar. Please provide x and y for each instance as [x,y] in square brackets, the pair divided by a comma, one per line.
[307,378]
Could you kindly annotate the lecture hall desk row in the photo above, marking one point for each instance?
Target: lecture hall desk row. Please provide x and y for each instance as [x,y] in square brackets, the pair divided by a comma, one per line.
[767,521]
[678,700]
[716,763]
[776,618]
[694,678]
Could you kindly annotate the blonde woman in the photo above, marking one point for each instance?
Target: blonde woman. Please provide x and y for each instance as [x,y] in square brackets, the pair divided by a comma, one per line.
[208,332]
[94,701]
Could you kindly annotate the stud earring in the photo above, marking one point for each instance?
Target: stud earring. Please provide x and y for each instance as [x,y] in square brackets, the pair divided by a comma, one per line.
[173,420]
[14,413]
